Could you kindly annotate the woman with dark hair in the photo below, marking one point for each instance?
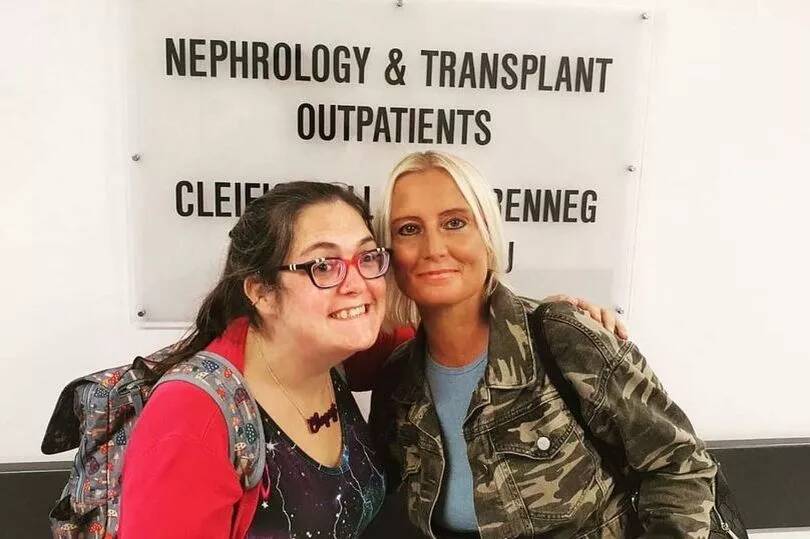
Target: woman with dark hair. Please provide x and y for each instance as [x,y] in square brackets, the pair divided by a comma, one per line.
[301,291]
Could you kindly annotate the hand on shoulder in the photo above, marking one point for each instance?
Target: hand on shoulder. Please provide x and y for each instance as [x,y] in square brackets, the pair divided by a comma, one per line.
[608,318]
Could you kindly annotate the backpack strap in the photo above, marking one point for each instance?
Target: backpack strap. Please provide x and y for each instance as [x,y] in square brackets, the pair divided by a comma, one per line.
[224,383]
[612,456]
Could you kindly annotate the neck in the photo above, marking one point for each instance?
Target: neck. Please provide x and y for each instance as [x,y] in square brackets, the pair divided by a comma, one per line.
[298,372]
[457,334]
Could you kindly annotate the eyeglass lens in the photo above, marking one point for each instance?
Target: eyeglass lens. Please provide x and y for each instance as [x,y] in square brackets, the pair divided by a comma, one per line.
[370,264]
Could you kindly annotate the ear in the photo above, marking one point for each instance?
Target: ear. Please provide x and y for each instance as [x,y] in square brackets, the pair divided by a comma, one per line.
[261,296]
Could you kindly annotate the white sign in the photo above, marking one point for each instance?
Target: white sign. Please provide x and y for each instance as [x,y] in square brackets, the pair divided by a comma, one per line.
[230,98]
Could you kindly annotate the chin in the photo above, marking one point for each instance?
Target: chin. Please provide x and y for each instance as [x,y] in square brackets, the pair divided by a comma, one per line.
[358,336]
[357,342]
[438,296]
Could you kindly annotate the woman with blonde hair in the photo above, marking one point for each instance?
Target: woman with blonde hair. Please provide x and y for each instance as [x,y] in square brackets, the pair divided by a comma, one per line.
[505,417]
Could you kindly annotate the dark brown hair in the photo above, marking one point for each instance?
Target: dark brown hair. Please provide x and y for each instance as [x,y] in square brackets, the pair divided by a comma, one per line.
[260,242]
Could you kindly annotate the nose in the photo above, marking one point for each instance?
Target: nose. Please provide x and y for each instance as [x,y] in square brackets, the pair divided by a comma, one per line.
[434,245]
[354,283]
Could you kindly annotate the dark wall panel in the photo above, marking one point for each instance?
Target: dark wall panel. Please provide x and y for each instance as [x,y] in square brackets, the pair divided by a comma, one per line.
[770,478]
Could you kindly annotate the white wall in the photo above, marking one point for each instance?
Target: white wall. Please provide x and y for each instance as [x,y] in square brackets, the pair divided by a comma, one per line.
[720,291]
[65,281]
[781,534]
[719,297]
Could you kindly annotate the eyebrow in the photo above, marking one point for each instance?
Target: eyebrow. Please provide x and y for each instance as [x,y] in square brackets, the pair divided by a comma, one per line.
[331,246]
[456,210]
[443,213]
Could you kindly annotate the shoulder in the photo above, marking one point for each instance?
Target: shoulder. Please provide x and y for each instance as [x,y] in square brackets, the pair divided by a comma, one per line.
[363,368]
[568,327]
[396,365]
[396,373]
[181,411]
[401,353]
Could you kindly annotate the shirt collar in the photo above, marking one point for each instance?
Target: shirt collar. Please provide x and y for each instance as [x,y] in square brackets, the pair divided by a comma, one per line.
[231,343]
[510,363]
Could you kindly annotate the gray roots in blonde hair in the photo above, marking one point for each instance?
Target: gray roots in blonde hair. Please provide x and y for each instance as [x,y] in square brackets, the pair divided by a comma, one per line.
[402,311]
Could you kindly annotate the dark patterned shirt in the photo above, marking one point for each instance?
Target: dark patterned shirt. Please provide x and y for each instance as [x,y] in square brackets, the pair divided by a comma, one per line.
[306,499]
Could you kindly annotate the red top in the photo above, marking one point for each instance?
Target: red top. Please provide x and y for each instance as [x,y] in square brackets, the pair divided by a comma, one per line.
[178,479]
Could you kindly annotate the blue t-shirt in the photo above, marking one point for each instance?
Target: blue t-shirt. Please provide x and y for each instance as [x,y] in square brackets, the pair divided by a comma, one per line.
[452,389]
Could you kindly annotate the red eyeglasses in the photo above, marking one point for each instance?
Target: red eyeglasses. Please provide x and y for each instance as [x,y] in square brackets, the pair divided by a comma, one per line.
[331,271]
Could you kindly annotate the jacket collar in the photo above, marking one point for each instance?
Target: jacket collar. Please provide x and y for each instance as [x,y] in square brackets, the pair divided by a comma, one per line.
[510,362]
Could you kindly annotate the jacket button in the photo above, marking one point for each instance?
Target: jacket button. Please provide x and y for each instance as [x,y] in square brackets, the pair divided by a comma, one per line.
[543,443]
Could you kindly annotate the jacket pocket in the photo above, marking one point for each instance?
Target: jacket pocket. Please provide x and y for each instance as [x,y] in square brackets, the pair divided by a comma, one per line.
[541,454]
[406,445]
[411,464]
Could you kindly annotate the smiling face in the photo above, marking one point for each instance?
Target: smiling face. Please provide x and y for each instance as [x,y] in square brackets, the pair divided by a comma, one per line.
[339,320]
[440,259]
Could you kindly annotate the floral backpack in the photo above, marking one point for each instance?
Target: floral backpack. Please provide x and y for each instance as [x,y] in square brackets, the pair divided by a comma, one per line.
[97,412]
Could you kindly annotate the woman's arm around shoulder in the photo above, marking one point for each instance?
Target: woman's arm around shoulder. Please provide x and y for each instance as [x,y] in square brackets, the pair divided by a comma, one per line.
[178,480]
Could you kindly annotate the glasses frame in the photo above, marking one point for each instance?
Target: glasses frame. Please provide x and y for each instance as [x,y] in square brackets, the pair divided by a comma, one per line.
[346,263]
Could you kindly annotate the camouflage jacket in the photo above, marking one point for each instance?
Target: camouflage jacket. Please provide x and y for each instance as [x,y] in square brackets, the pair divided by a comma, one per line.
[536,472]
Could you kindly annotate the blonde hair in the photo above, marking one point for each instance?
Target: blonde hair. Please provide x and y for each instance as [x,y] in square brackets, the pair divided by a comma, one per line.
[402,311]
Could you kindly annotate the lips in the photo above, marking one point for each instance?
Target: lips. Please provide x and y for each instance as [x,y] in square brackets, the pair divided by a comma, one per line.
[436,274]
[350,312]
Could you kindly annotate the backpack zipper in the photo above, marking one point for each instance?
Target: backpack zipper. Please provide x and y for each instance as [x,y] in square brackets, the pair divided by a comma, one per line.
[130,386]
[726,528]
[79,468]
